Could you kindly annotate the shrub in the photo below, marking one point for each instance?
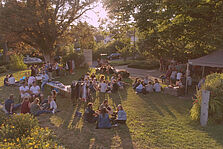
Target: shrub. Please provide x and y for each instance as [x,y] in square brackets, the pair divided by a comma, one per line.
[17,126]
[3,69]
[16,62]
[152,64]
[23,131]
[213,83]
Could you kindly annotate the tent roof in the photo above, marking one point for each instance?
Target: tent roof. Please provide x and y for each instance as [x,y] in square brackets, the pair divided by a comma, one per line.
[214,59]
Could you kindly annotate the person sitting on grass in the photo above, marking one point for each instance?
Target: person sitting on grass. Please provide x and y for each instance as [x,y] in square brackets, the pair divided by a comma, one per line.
[53,105]
[11,80]
[136,83]
[157,87]
[120,115]
[103,120]
[24,90]
[54,94]
[179,83]
[35,89]
[89,115]
[25,107]
[149,87]
[139,87]
[35,108]
[6,80]
[106,106]
[10,107]
[31,80]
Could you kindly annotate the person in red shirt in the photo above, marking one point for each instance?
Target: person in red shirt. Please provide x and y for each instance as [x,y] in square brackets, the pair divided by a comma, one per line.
[25,107]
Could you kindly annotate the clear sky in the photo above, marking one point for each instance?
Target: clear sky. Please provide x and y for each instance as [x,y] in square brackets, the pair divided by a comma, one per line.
[94,16]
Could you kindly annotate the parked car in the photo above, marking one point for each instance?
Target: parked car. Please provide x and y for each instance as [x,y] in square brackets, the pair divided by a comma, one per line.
[114,56]
[32,60]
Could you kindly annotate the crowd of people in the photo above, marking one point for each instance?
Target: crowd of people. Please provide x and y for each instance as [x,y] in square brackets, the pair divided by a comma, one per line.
[31,94]
[84,89]
[105,117]
[146,85]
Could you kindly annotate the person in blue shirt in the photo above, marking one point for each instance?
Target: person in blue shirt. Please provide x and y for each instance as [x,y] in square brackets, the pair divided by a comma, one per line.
[10,107]
[45,79]
[103,120]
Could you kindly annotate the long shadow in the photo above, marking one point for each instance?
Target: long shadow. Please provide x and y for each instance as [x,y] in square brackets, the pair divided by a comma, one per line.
[126,139]
[152,104]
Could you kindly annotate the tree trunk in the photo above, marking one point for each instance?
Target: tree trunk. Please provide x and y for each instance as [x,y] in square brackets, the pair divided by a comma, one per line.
[5,52]
[48,57]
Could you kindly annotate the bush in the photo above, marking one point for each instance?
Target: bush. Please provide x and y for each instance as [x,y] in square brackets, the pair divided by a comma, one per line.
[16,62]
[18,126]
[153,64]
[213,83]
[3,69]
[23,131]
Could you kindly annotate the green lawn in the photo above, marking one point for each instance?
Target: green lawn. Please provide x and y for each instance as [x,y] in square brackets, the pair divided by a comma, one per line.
[154,121]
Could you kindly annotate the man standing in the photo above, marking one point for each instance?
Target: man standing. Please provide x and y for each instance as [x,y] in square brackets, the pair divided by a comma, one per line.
[45,79]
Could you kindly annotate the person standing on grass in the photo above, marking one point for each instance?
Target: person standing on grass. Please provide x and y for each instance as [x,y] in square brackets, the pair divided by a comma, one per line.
[103,86]
[173,76]
[10,107]
[45,79]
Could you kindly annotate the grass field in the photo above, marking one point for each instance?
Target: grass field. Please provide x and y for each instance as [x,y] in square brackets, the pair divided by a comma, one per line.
[154,121]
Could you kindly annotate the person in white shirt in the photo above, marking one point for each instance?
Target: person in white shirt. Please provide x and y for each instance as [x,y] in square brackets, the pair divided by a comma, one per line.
[24,90]
[179,75]
[35,89]
[53,105]
[157,86]
[31,80]
[139,87]
[11,80]
[103,87]
[149,87]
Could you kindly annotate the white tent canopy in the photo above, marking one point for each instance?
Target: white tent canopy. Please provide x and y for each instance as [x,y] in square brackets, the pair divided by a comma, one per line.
[214,59]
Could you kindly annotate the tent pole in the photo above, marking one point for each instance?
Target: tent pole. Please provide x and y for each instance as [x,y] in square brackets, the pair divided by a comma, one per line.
[203,68]
[187,74]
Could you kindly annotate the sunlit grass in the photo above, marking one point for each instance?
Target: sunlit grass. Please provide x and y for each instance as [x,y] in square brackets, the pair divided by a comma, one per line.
[154,121]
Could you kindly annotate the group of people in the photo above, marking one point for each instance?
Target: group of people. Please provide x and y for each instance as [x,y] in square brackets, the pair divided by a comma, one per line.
[88,84]
[31,94]
[9,80]
[105,117]
[146,85]
[174,75]
[34,105]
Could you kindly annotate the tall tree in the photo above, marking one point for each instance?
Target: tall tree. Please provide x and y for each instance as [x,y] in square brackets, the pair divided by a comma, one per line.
[174,28]
[41,23]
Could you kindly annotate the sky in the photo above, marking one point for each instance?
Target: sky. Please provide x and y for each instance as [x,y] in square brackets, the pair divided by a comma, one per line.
[94,16]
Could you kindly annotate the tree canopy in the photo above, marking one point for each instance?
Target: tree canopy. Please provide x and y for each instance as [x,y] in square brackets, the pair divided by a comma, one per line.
[42,24]
[173,28]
